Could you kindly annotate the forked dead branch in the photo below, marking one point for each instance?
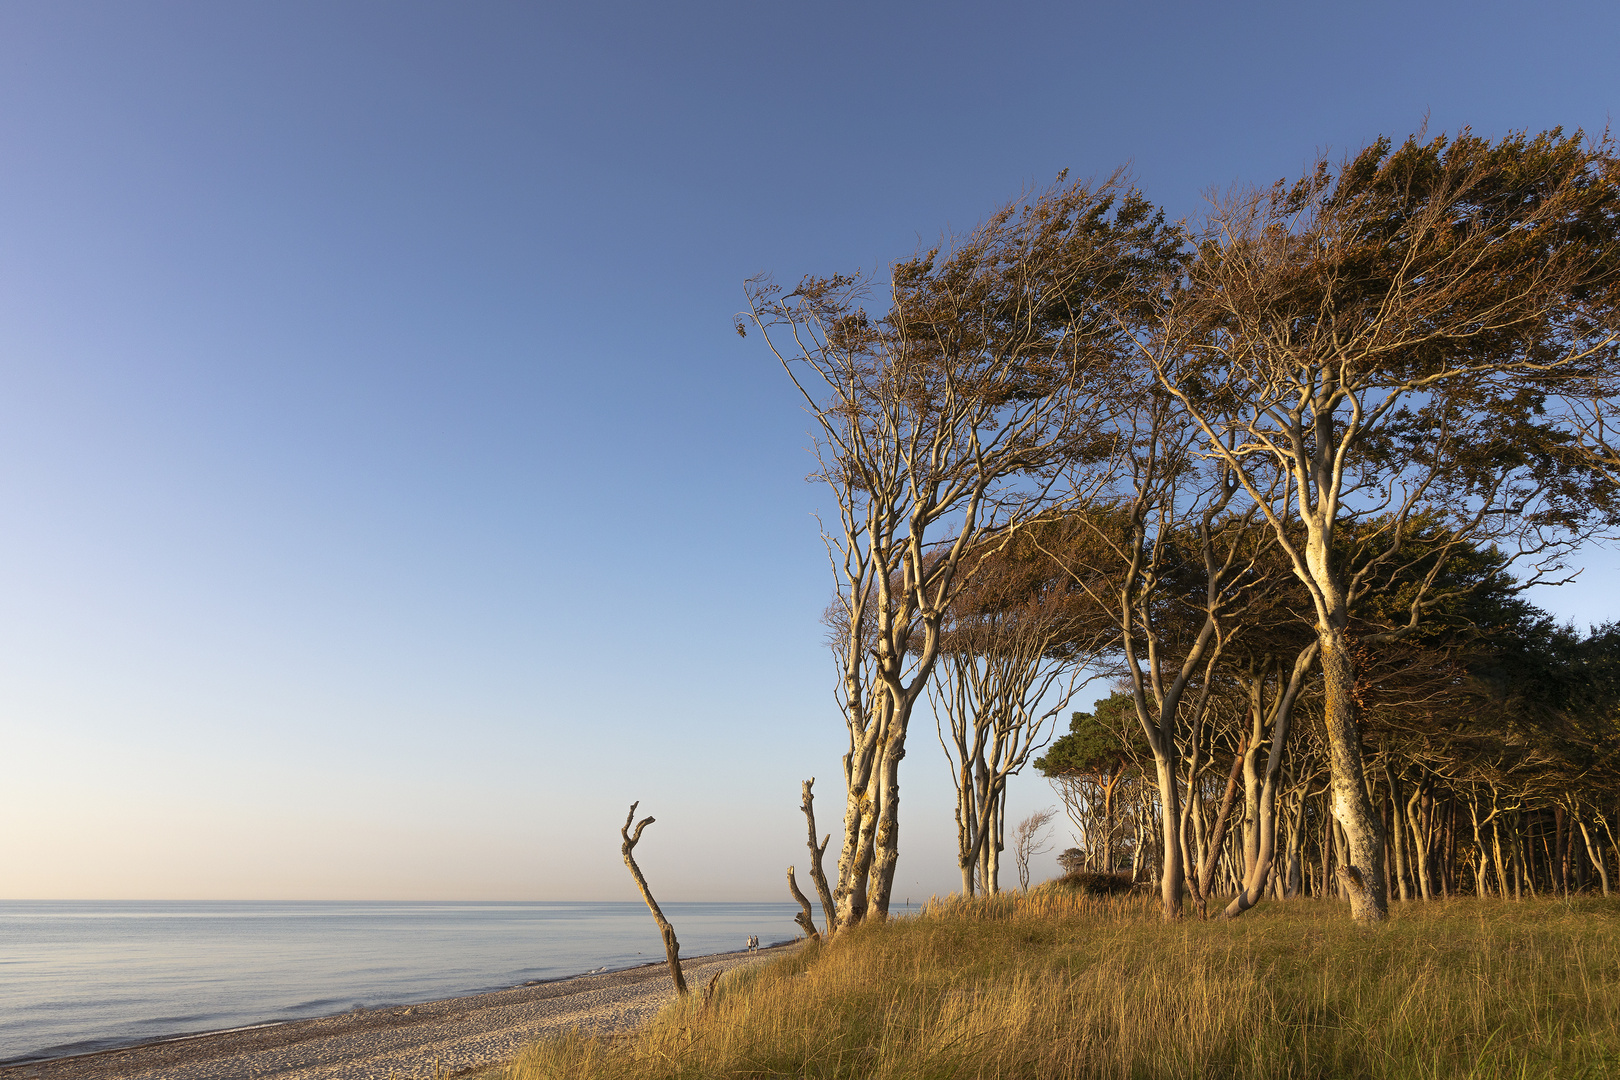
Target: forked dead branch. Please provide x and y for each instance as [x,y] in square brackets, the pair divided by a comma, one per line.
[672,947]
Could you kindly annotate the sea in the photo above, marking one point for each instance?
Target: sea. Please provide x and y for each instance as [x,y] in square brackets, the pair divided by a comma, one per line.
[79,976]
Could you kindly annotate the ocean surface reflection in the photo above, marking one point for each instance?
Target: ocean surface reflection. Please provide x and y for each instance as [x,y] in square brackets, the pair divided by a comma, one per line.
[77,976]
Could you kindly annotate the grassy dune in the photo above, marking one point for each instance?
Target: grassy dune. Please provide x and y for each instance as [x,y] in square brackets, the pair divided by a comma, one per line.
[1062,985]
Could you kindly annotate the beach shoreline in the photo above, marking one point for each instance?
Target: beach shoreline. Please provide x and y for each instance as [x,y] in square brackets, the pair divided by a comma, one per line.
[456,1035]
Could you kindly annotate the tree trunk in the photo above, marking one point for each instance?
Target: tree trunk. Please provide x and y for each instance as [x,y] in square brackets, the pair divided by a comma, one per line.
[1516,846]
[1361,874]
[1496,848]
[886,841]
[818,852]
[860,822]
[1258,870]
[1169,827]
[1396,832]
[1254,883]
[967,827]
[805,918]
[1561,842]
[1481,882]
[1217,840]
[1251,770]
[995,841]
[1416,819]
[1296,851]
[1595,851]
[672,947]
[852,895]
[1448,849]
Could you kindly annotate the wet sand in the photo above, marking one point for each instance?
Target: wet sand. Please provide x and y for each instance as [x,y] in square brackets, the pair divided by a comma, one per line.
[456,1035]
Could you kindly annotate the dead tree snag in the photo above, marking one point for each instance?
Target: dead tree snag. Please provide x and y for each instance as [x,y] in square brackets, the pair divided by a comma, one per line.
[672,947]
[829,910]
[806,918]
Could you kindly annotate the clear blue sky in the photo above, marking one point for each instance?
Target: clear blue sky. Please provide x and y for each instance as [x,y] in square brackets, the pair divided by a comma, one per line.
[385,500]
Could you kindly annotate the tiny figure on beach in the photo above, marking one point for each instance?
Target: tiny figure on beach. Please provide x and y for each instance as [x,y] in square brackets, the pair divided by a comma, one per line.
[753,943]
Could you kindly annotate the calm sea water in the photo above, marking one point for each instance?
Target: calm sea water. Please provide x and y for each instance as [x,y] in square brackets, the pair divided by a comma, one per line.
[77,976]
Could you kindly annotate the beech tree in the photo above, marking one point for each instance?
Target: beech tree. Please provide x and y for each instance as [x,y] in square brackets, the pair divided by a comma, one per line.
[1092,768]
[1379,342]
[940,420]
[1029,841]
[1014,649]
[1172,563]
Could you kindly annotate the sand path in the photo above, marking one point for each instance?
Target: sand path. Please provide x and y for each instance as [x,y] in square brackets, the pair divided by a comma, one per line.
[459,1034]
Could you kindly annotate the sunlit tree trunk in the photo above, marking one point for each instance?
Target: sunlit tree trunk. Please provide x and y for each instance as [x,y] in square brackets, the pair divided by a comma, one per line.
[1361,875]
[1266,810]
[1397,831]
[1595,852]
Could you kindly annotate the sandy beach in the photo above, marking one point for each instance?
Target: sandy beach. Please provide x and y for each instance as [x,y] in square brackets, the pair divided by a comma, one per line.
[459,1035]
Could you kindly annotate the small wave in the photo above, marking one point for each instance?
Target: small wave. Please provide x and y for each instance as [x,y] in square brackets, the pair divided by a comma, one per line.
[61,1050]
[199,1018]
[324,1004]
[94,1046]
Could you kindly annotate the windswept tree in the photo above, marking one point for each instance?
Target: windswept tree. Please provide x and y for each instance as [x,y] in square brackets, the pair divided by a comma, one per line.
[941,419]
[1015,647]
[1029,840]
[1092,767]
[1378,343]
[1173,561]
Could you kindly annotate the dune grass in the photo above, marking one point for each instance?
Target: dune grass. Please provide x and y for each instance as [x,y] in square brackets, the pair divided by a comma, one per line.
[1056,984]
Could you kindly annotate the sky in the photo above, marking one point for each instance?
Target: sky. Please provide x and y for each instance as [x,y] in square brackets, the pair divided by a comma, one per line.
[386,501]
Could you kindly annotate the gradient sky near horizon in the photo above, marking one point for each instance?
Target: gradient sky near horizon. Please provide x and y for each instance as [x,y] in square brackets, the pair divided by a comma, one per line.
[385,499]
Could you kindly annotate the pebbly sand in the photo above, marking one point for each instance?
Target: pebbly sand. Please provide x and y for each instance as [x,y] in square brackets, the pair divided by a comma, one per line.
[459,1035]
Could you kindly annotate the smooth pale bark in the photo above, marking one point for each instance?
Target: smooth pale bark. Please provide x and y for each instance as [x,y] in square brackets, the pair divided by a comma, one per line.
[1361,873]
[994,678]
[1159,725]
[1482,876]
[1139,841]
[1253,885]
[1217,839]
[886,840]
[1502,876]
[874,866]
[855,859]
[1251,771]
[1194,838]
[1563,849]
[1257,871]
[970,825]
[1416,820]
[993,848]
[1295,881]
[1170,883]
[1397,827]
[1108,818]
[1595,853]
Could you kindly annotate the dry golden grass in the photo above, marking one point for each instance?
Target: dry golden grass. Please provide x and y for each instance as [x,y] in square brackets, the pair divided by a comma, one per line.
[1062,985]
